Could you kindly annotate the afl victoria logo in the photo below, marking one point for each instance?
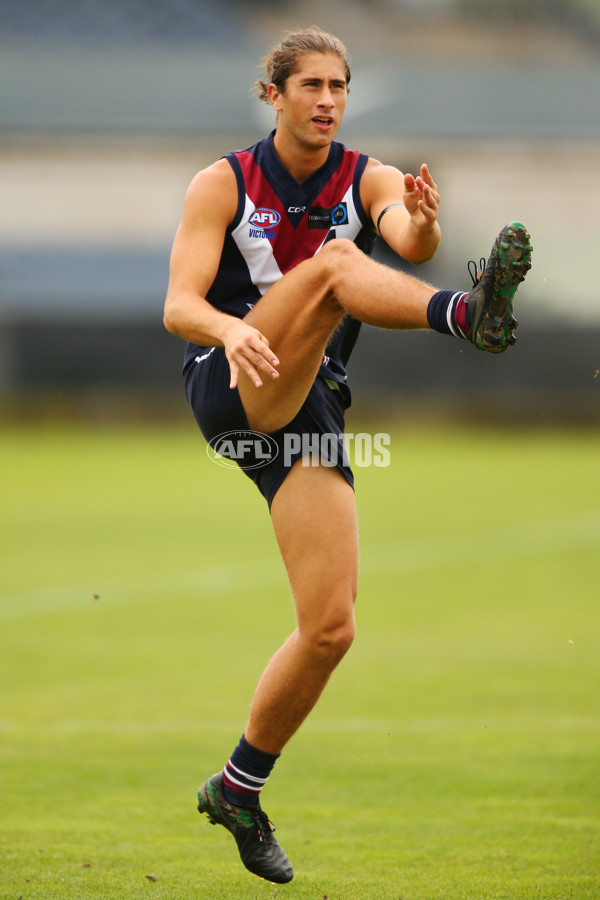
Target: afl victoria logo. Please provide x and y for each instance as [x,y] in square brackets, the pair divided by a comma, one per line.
[264,218]
[242,449]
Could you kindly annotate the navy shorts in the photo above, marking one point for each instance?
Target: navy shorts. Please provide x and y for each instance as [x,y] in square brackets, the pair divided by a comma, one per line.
[218,411]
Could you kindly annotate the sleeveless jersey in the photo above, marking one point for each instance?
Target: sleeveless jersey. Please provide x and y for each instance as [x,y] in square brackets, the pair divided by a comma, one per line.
[279,223]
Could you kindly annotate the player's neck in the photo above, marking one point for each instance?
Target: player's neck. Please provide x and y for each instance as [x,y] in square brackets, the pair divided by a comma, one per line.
[300,159]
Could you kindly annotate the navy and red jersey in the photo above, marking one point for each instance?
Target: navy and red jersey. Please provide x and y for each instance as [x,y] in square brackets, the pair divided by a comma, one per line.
[279,223]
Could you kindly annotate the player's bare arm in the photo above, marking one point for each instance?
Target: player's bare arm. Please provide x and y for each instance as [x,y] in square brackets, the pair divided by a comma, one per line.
[209,207]
[409,224]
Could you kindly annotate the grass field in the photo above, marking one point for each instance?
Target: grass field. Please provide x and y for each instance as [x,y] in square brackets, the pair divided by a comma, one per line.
[456,753]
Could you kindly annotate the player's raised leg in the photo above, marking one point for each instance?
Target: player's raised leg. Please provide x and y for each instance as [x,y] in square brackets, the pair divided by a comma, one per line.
[301,311]
[299,314]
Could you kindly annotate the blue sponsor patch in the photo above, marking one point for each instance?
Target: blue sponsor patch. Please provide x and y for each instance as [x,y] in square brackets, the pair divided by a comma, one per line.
[322,217]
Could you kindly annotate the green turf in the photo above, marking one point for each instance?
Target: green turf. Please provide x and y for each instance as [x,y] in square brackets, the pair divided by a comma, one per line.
[456,753]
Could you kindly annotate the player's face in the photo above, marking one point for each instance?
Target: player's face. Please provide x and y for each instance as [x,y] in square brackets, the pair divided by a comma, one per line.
[312,105]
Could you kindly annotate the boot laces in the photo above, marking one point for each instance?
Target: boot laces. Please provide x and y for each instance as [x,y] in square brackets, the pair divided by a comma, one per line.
[475,273]
[264,826]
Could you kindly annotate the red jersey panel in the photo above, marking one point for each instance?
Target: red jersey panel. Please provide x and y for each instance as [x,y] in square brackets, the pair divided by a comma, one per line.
[280,222]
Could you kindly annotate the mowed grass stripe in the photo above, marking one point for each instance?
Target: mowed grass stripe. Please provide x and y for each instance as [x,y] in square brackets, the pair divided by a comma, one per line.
[527,539]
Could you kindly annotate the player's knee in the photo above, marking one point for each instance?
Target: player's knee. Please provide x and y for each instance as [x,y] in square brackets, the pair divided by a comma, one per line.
[338,255]
[335,261]
[333,640]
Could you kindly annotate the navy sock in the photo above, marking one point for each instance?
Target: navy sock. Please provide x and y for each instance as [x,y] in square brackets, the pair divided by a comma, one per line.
[246,774]
[448,313]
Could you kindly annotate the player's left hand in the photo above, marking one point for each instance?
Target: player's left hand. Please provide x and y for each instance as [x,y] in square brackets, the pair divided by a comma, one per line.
[421,199]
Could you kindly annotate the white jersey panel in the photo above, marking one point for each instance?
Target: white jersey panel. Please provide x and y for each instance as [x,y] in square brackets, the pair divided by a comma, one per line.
[257,252]
[350,228]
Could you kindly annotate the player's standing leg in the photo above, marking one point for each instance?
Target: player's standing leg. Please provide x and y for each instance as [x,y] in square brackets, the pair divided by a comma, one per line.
[314,517]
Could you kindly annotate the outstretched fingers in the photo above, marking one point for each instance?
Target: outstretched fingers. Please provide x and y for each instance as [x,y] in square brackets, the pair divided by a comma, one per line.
[429,200]
[421,197]
[426,177]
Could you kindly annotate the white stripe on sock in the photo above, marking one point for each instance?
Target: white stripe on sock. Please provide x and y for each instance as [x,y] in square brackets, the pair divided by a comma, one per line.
[245,774]
[247,787]
[449,312]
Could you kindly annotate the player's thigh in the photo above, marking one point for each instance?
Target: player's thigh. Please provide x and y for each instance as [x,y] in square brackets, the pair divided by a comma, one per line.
[314,518]
[303,303]
[298,316]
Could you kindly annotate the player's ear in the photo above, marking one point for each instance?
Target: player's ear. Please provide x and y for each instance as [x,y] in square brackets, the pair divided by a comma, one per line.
[274,96]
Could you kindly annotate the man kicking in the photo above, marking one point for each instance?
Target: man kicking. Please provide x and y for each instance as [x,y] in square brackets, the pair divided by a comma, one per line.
[270,281]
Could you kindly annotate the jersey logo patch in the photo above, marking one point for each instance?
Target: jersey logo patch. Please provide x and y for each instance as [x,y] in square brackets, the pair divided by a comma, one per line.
[321,217]
[264,222]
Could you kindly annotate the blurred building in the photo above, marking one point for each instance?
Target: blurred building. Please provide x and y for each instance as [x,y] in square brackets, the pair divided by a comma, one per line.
[108,109]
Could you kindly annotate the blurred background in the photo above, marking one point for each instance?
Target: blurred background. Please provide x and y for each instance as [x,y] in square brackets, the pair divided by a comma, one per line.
[109,107]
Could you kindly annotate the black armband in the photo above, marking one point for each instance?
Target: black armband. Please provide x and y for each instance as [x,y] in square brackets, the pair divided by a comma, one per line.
[382,214]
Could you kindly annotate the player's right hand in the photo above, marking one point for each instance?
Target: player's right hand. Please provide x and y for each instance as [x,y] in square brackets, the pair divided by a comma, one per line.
[247,349]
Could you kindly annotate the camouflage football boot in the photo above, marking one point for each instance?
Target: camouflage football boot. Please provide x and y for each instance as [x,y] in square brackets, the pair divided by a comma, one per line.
[490,302]
[252,830]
